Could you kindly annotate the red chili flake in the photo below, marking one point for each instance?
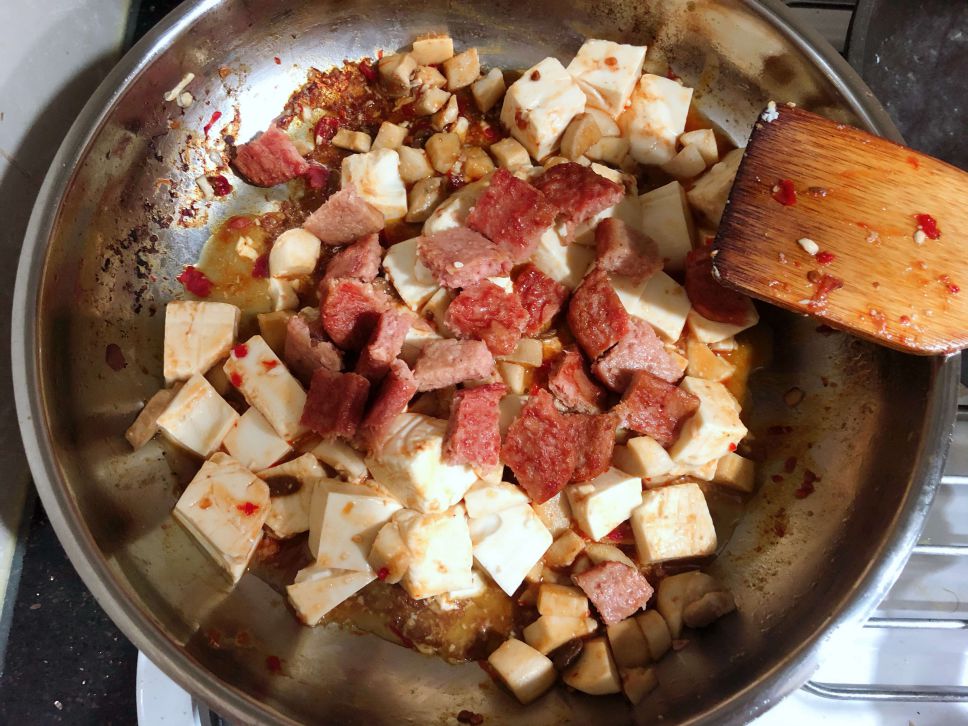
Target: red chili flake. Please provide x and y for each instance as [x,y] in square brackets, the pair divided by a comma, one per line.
[732,446]
[369,73]
[904,320]
[260,268]
[611,61]
[114,357]
[709,241]
[195,281]
[951,287]
[214,637]
[806,487]
[621,533]
[826,285]
[326,129]
[407,643]
[247,508]
[240,351]
[469,717]
[785,193]
[790,464]
[383,573]
[220,185]
[520,120]
[239,223]
[491,134]
[273,664]
[243,639]
[211,122]
[824,257]
[317,176]
[277,60]
[204,503]
[236,380]
[672,75]
[455,181]
[535,75]
[913,161]
[379,54]
[776,478]
[269,364]
[928,225]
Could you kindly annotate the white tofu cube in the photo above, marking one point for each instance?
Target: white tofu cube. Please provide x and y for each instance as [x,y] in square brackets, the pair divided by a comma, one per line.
[703,363]
[642,456]
[401,265]
[510,548]
[655,118]
[432,48]
[283,294]
[563,601]
[603,503]
[660,301]
[510,154]
[409,465]
[452,600]
[528,352]
[390,136]
[555,513]
[145,426]
[629,647]
[294,254]
[564,550]
[549,631]
[317,506]
[254,443]
[224,508]
[197,417]
[566,264]
[487,91]
[376,176]
[709,194]
[714,430]
[197,336]
[453,211]
[509,407]
[595,671]
[441,554]
[539,106]
[342,457]
[317,590]
[349,527]
[525,671]
[515,376]
[268,386]
[665,217]
[705,141]
[686,164]
[414,164]
[352,140]
[607,72]
[735,472]
[292,486]
[389,556]
[485,498]
[710,331]
[673,522]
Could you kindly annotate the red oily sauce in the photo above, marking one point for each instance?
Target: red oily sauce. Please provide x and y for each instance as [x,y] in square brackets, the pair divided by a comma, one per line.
[785,193]
[195,281]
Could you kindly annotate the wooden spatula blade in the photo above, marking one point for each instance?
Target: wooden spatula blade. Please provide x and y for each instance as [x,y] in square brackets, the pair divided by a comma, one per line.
[890,224]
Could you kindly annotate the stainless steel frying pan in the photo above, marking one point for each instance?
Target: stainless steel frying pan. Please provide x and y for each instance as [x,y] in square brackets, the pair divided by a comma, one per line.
[108,235]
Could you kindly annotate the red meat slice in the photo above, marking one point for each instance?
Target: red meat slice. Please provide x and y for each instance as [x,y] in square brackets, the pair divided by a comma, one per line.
[513,214]
[639,350]
[359,261]
[390,401]
[443,363]
[594,441]
[349,310]
[460,257]
[655,408]
[307,349]
[473,437]
[616,590]
[622,250]
[711,299]
[596,315]
[269,159]
[385,344]
[540,295]
[578,193]
[335,403]
[485,312]
[540,448]
[344,217]
[572,386]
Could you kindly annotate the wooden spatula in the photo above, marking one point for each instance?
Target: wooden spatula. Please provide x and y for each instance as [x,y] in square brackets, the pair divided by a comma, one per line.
[866,235]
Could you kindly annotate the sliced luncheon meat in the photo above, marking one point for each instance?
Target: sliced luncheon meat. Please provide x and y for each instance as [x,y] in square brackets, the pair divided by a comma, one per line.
[307,348]
[486,312]
[711,299]
[639,350]
[540,448]
[578,193]
[513,214]
[460,257]
[384,345]
[343,218]
[335,403]
[616,590]
[349,310]
[542,296]
[596,315]
[443,363]
[594,442]
[621,250]
[572,386]
[473,437]
[655,408]
[269,159]
[390,400]
[359,261]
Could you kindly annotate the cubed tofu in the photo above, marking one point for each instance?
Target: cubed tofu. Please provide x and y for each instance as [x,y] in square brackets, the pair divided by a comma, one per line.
[409,465]
[441,553]
[197,336]
[273,327]
[556,512]
[607,72]
[197,417]
[268,386]
[342,457]
[526,672]
[446,115]
[145,426]
[395,71]
[549,631]
[515,376]
[507,544]
[443,149]
[426,77]
[660,301]
[486,498]
[565,263]
[655,118]
[462,69]
[389,556]
[686,164]
[703,363]
[603,503]
[352,140]
[610,150]
[510,154]
[711,331]
[401,265]
[673,522]
[656,633]
[454,210]
[564,550]
[432,48]
[665,217]
[642,456]
[414,165]
[637,683]
[581,133]
[292,485]
[528,352]
[487,91]
[390,136]
[709,194]
[509,407]
[539,106]
[376,176]
[350,523]
[629,647]
[475,163]
[606,124]
[595,671]
[294,254]
[599,552]
[461,127]
[562,601]
[705,141]
[735,472]
[452,600]
[317,590]
[430,101]
[317,505]
[283,295]
[424,197]
[224,508]
[254,443]
[714,430]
